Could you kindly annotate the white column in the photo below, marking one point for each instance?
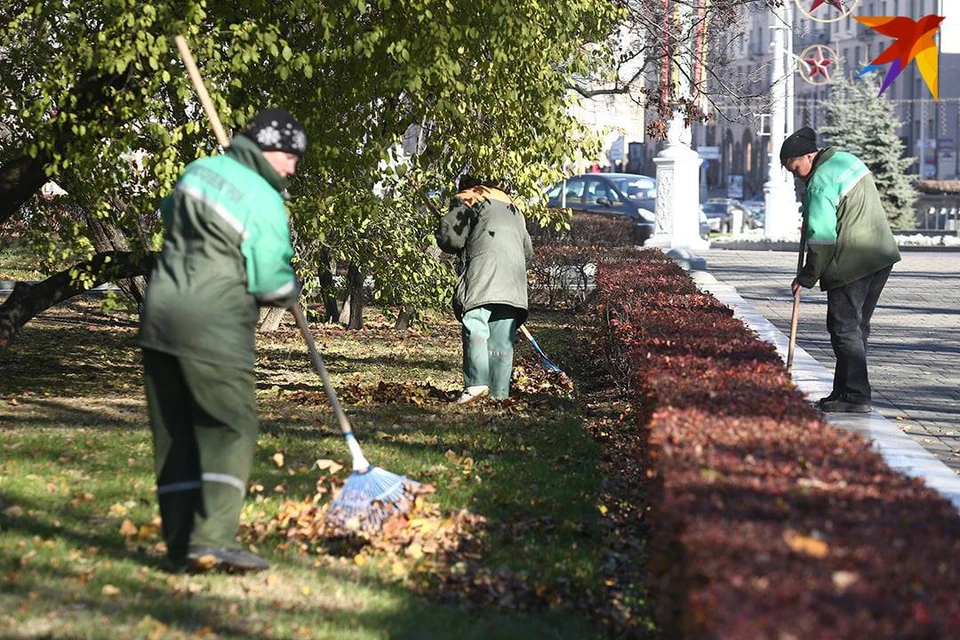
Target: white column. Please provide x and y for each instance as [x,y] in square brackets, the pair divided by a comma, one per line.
[678,165]
[782,217]
[678,193]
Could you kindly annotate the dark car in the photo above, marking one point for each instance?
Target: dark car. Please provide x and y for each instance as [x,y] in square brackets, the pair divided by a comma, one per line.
[757,206]
[720,213]
[610,194]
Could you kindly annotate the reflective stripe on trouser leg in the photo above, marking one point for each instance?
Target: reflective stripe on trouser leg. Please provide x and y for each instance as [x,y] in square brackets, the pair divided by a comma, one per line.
[225,428]
[475,334]
[502,327]
[176,458]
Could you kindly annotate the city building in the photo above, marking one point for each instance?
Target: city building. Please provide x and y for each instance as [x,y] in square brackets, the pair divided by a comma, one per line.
[737,137]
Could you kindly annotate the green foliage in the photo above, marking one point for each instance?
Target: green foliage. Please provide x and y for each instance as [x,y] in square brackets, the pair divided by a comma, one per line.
[481,84]
[866,126]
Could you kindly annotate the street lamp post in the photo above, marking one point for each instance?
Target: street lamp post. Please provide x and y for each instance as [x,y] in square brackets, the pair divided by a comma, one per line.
[782,216]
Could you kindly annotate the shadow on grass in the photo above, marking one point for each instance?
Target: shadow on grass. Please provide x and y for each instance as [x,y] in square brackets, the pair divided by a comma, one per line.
[101,586]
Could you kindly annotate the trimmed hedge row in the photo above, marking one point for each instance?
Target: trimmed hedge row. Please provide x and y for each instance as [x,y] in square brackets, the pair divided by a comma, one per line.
[767,522]
[564,262]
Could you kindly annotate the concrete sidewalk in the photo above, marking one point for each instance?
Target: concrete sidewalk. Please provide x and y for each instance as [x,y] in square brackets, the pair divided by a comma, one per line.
[914,358]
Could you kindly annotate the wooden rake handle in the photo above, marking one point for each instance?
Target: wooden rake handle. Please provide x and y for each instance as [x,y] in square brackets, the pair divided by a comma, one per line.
[321,369]
[201,89]
[794,319]
[359,462]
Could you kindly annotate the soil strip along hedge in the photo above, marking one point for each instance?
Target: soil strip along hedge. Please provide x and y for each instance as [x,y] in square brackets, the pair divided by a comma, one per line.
[767,522]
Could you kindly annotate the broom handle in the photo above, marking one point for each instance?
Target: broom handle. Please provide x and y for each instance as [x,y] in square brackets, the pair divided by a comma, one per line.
[359,462]
[202,92]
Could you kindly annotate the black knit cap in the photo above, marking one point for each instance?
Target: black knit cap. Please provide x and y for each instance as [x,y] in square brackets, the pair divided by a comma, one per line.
[276,130]
[799,143]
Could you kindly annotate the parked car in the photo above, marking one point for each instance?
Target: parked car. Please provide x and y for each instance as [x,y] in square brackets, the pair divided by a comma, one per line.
[720,213]
[704,225]
[758,205]
[610,194]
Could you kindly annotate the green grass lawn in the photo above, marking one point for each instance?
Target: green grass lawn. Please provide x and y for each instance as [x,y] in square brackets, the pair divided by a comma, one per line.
[79,547]
[16,263]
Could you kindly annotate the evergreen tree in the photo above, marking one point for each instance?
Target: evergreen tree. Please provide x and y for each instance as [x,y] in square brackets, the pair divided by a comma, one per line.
[865,125]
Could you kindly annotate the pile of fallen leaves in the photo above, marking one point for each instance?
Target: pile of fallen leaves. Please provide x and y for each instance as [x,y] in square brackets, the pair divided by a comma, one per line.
[417,541]
[530,380]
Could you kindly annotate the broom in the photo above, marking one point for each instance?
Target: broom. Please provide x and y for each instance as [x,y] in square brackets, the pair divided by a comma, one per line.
[371,494]
[544,360]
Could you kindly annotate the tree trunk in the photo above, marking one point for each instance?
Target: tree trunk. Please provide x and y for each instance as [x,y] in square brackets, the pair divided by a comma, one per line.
[20,178]
[405,319]
[23,176]
[271,321]
[331,310]
[30,300]
[355,291]
[108,237]
[343,316]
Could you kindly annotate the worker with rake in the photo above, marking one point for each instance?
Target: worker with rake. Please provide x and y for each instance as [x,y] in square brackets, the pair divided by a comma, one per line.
[850,251]
[226,251]
[487,232]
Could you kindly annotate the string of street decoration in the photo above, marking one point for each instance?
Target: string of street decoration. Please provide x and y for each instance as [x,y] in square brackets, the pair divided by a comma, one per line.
[826,11]
[817,63]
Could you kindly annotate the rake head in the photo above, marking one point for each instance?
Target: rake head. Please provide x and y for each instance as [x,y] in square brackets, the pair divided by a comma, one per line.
[547,364]
[369,498]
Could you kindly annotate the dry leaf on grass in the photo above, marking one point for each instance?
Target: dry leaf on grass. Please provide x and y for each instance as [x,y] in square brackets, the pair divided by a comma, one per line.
[806,545]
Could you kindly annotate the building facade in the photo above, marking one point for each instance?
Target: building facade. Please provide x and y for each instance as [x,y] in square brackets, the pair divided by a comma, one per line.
[930,129]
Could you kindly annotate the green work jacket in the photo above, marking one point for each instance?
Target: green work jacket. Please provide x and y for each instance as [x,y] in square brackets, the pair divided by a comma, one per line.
[845,228]
[488,233]
[226,249]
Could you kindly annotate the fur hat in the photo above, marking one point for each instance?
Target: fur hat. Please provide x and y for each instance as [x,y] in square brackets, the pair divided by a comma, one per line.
[799,143]
[276,130]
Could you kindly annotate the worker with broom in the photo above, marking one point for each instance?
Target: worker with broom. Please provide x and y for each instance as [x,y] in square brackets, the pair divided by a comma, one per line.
[850,251]
[487,232]
[226,251]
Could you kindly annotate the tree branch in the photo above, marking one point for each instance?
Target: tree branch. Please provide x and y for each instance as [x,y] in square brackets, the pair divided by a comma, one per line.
[30,300]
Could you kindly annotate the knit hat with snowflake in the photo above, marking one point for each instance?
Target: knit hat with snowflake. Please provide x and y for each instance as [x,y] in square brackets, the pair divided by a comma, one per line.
[276,130]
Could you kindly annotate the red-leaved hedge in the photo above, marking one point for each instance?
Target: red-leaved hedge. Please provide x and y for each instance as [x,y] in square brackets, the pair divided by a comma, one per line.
[768,523]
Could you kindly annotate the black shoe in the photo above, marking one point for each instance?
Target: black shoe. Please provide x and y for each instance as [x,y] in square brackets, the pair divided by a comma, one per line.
[840,405]
[829,398]
[223,559]
[173,564]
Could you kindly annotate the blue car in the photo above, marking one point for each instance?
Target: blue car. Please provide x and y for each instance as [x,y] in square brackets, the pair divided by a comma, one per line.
[612,195]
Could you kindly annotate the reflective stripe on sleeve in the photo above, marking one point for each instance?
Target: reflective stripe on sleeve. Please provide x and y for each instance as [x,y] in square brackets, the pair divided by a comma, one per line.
[282,292]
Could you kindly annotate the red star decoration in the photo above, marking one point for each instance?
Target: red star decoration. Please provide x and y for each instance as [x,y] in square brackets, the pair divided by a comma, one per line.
[817,3]
[819,65]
